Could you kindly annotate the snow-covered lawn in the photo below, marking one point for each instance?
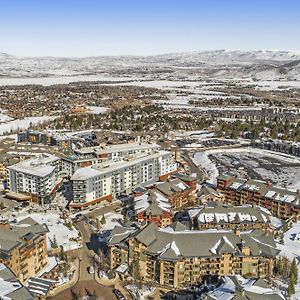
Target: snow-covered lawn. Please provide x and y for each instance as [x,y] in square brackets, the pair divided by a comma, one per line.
[22,124]
[65,237]
[291,249]
[142,293]
[4,117]
[111,220]
[97,109]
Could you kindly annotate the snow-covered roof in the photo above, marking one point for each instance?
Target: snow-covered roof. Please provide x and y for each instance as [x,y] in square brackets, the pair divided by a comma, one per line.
[40,166]
[98,170]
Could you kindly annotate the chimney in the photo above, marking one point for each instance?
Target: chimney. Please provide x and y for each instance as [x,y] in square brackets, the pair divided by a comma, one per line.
[4,223]
[269,184]
[237,231]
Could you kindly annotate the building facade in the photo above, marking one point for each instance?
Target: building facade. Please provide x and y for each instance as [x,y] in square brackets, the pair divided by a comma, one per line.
[282,203]
[23,247]
[36,177]
[103,181]
[177,259]
[153,207]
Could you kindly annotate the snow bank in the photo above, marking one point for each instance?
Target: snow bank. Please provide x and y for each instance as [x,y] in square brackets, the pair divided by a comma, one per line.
[201,159]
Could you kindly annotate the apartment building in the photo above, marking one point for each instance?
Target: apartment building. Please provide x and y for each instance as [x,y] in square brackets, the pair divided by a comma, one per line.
[23,247]
[113,152]
[220,216]
[104,180]
[153,207]
[176,258]
[177,191]
[51,138]
[36,177]
[280,202]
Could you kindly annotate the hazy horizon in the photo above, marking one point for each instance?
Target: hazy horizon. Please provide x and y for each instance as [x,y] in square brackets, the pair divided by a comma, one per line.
[297,52]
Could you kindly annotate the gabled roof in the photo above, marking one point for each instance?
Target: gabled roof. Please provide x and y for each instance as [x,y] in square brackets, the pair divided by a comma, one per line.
[147,234]
[178,226]
[171,187]
[120,234]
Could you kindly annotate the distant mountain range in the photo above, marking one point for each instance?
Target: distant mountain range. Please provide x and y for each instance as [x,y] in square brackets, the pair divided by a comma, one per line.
[266,64]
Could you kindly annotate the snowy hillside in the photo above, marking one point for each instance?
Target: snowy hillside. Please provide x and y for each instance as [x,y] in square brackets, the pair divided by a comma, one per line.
[219,63]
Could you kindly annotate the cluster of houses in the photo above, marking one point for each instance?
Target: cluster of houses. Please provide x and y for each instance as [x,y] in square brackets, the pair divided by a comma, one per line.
[258,114]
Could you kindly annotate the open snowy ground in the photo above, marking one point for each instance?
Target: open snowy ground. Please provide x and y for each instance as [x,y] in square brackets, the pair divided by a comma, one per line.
[111,220]
[97,109]
[16,125]
[282,169]
[66,237]
[4,117]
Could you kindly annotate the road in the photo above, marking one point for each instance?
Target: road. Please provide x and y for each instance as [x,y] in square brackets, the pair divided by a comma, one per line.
[90,244]
[201,175]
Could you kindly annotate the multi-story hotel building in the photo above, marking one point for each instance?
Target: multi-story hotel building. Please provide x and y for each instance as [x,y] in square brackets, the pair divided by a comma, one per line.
[220,216]
[36,177]
[89,156]
[280,202]
[103,181]
[23,247]
[112,152]
[176,258]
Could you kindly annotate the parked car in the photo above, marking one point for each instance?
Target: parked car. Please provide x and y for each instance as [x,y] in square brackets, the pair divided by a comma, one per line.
[91,270]
[118,294]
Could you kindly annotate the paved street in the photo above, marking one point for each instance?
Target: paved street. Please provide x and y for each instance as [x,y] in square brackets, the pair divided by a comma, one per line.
[194,169]
[90,244]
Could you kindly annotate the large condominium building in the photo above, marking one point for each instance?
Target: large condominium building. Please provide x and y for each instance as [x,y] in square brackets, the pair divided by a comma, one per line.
[102,181]
[23,247]
[176,258]
[220,216]
[89,156]
[36,177]
[177,191]
[113,152]
[280,202]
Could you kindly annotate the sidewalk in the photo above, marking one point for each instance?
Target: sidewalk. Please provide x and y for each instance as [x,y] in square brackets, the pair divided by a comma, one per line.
[68,284]
[113,282]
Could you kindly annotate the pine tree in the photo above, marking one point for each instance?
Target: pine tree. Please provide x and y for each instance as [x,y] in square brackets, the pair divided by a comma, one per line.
[294,271]
[291,288]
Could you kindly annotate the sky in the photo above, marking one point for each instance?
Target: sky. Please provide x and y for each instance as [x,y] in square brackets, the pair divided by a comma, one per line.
[76,28]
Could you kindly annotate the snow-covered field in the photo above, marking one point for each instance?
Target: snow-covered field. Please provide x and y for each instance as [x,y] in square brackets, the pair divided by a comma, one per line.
[46,81]
[4,117]
[281,169]
[65,237]
[17,125]
[97,109]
